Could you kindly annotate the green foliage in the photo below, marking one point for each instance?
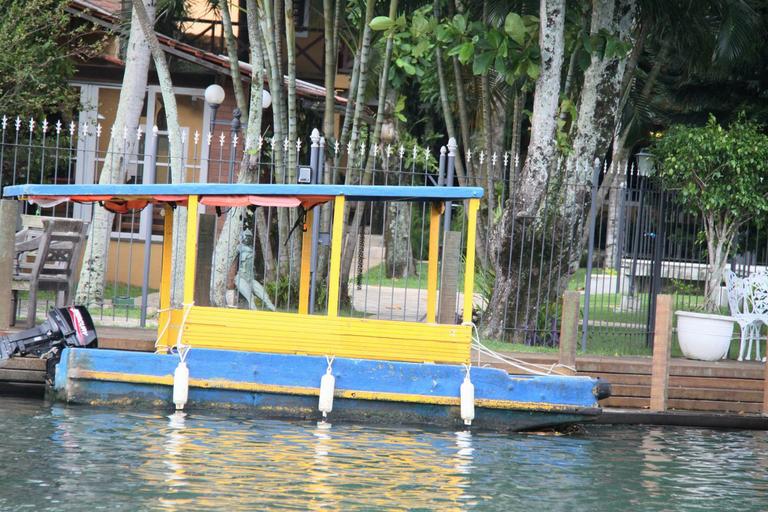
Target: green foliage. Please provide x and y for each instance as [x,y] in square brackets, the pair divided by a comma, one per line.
[719,171]
[511,51]
[39,42]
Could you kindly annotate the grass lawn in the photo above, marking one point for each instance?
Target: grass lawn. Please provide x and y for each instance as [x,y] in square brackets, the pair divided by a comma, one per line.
[376,276]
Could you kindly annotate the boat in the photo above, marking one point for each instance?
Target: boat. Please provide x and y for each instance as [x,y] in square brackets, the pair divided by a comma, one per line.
[301,364]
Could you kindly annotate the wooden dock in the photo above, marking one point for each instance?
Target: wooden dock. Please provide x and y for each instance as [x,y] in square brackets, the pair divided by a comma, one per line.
[719,386]
[27,374]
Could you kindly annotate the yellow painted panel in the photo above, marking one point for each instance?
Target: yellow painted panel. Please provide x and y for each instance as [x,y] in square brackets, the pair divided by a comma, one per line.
[289,333]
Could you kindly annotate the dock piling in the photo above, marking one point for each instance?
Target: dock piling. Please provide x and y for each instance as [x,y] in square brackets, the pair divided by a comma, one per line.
[569,329]
[662,342]
[9,211]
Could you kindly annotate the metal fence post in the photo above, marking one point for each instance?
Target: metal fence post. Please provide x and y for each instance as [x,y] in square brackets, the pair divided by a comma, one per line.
[150,167]
[450,168]
[590,251]
[620,235]
[316,158]
[655,284]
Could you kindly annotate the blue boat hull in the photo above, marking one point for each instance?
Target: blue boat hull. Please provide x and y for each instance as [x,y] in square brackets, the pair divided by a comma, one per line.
[287,386]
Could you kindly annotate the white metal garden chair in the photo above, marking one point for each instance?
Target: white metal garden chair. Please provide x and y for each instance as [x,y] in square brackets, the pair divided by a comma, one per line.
[743,297]
[757,288]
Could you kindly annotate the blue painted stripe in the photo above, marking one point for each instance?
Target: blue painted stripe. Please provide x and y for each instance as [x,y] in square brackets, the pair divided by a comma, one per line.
[437,380]
[352,192]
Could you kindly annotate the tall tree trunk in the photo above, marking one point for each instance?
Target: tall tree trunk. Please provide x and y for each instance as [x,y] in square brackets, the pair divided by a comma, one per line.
[90,289]
[174,141]
[538,163]
[228,241]
[272,42]
[294,245]
[445,103]
[331,18]
[719,240]
[598,106]
[234,61]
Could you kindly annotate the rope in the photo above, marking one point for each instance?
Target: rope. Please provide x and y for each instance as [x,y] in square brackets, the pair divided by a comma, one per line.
[532,368]
[180,347]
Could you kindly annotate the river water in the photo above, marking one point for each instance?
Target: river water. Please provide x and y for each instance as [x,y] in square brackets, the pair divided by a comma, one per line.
[79,458]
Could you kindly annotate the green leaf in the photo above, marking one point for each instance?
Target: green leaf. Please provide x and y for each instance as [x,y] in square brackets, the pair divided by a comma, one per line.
[380,23]
[515,28]
[482,63]
[465,52]
[460,23]
[533,70]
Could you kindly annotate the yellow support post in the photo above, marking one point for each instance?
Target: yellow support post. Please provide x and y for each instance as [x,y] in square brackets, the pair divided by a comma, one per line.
[434,241]
[335,271]
[306,256]
[165,278]
[190,258]
[469,269]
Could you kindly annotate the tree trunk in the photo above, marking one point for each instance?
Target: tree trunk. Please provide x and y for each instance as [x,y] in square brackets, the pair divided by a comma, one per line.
[90,289]
[445,104]
[600,96]
[229,238]
[175,147]
[234,61]
[397,241]
[272,44]
[719,240]
[538,163]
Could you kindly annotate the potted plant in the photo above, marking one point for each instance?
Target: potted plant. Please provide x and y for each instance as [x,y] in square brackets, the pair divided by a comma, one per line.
[718,173]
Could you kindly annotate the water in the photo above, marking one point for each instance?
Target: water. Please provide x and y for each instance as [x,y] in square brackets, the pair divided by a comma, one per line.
[78,458]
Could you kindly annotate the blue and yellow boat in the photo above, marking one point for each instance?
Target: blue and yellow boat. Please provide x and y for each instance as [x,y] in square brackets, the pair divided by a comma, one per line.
[303,365]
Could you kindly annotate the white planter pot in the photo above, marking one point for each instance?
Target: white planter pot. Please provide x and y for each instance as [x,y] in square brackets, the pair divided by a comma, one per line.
[703,336]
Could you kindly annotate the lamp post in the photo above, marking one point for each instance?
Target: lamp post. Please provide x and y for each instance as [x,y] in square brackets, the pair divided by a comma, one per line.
[214,97]
[646,163]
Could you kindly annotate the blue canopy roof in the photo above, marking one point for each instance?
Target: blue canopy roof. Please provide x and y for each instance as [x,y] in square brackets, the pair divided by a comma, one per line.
[351,192]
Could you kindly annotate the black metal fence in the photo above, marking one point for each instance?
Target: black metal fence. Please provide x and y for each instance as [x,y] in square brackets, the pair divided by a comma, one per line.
[624,241]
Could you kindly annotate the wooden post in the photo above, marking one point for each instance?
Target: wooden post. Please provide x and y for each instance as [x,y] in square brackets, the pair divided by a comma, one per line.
[569,330]
[334,274]
[432,263]
[765,387]
[9,212]
[306,257]
[662,343]
[449,278]
[205,243]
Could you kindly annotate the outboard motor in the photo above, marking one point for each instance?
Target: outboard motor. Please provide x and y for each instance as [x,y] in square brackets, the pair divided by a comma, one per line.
[65,327]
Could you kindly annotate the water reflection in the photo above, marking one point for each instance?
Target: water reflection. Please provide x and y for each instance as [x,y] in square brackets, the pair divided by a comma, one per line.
[78,458]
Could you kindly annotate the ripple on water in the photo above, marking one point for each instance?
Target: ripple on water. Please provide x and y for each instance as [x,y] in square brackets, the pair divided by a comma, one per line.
[65,458]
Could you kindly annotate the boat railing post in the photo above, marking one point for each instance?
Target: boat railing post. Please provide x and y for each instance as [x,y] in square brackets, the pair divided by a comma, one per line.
[432,262]
[190,258]
[469,268]
[165,278]
[334,275]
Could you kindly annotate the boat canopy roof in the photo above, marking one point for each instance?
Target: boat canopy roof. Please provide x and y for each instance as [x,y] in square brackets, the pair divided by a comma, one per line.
[121,198]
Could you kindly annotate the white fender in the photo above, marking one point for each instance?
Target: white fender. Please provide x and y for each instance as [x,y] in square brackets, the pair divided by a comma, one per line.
[467,400]
[181,385]
[327,385]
